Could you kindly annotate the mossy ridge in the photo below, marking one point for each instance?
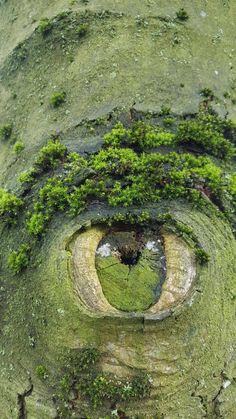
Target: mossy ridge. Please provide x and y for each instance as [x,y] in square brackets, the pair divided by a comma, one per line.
[131,169]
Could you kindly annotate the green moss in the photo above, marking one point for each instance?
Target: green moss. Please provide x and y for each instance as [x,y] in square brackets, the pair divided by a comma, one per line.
[52,197]
[94,387]
[183,228]
[130,170]
[168,121]
[45,26]
[26,177]
[202,256]
[129,218]
[18,147]
[207,132]
[36,223]
[50,155]
[57,99]
[19,260]
[10,205]
[104,388]
[118,135]
[207,93]
[165,110]
[128,288]
[82,29]
[41,372]
[5,131]
[182,15]
[199,133]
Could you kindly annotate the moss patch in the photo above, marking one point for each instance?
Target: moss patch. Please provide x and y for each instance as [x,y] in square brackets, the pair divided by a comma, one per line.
[161,61]
[132,274]
[128,289]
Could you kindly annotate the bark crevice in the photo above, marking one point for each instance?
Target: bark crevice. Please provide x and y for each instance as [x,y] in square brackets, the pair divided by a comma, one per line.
[22,414]
[202,399]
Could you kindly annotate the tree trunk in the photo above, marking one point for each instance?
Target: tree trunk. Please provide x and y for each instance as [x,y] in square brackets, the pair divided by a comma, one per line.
[115,60]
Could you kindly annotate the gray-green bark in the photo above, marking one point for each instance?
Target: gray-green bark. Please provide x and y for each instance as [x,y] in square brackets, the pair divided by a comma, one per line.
[130,60]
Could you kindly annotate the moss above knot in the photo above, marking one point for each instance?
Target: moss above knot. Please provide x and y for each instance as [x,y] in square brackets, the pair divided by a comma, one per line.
[136,166]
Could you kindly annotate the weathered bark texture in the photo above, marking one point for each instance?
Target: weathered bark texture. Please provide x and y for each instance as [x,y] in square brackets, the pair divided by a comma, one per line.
[134,57]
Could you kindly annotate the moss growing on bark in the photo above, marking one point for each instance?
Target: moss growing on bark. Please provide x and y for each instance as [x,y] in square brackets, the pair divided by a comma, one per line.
[19,260]
[128,288]
[5,131]
[84,380]
[131,169]
[10,206]
[58,99]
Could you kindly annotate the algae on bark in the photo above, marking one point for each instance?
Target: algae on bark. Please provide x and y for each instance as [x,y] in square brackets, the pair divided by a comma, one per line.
[136,57]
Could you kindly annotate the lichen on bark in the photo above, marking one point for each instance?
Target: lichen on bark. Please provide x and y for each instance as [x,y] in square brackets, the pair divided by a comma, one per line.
[134,61]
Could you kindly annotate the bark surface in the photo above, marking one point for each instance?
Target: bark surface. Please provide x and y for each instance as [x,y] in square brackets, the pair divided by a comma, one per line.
[135,57]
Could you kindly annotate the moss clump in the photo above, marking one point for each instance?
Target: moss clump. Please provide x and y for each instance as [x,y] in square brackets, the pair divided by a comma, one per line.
[41,372]
[83,382]
[90,189]
[207,93]
[57,99]
[10,205]
[183,228]
[198,133]
[18,147]
[104,388]
[36,223]
[232,185]
[50,155]
[129,218]
[19,260]
[5,131]
[49,158]
[150,177]
[53,196]
[168,121]
[165,110]
[82,29]
[206,133]
[142,136]
[88,357]
[118,135]
[45,26]
[182,15]
[26,177]
[202,256]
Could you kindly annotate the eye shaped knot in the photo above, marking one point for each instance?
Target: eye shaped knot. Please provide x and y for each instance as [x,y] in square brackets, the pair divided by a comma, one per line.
[132,273]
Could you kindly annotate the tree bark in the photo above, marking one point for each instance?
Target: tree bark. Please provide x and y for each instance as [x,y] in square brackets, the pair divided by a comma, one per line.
[135,58]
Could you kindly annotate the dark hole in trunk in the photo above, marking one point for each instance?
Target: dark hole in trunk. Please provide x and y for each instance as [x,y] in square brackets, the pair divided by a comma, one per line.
[130,259]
